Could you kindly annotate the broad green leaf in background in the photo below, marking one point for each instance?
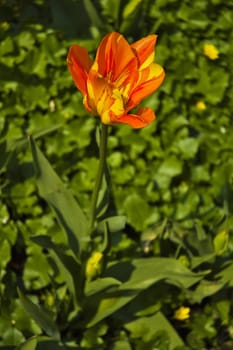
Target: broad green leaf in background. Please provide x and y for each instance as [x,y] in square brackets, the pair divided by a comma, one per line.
[145,329]
[66,208]
[115,223]
[225,275]
[205,289]
[136,210]
[121,345]
[45,343]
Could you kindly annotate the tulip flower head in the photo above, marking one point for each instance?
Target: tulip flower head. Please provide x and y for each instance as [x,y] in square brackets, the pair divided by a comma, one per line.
[120,77]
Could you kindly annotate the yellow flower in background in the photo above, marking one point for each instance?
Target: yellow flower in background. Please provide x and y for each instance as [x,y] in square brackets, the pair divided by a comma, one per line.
[94,265]
[211,51]
[182,314]
[4,26]
[201,105]
[221,241]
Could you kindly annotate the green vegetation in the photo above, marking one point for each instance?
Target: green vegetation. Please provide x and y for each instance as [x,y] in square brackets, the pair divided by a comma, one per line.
[171,184]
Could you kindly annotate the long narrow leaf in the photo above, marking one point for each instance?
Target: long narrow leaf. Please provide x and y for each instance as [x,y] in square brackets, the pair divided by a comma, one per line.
[66,208]
[68,266]
[40,316]
[30,344]
[93,14]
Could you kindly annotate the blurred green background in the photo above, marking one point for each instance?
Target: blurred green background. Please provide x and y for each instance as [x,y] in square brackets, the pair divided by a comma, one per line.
[173,179]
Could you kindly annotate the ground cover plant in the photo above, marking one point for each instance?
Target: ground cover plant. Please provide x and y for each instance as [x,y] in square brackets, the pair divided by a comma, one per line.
[156,273]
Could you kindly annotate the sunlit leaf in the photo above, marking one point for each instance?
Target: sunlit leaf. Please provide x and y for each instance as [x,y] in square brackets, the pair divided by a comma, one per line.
[30,344]
[136,277]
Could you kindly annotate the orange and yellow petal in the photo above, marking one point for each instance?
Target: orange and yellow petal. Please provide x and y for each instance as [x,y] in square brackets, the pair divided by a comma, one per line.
[103,99]
[97,89]
[114,57]
[79,63]
[144,50]
[142,118]
[150,80]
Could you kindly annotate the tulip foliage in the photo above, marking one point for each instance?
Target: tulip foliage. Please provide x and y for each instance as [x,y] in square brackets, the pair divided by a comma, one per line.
[116,175]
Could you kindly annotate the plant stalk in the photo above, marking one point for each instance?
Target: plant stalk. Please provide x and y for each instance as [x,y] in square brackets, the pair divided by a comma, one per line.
[100,173]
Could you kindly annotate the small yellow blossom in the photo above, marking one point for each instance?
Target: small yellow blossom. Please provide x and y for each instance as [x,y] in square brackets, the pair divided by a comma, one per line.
[201,105]
[184,260]
[183,313]
[211,51]
[4,26]
[93,266]
[221,241]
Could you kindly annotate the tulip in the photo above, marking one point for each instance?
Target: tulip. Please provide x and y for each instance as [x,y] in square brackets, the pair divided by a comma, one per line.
[118,79]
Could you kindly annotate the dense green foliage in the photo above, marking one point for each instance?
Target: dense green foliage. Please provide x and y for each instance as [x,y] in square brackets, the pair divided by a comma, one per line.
[173,181]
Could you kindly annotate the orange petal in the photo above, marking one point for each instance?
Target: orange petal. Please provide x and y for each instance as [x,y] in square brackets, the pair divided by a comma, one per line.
[79,64]
[150,79]
[144,50]
[142,118]
[115,58]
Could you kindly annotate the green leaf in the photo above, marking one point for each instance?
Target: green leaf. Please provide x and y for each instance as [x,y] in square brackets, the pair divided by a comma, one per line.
[145,328]
[121,345]
[68,266]
[93,14]
[188,147]
[6,46]
[45,343]
[226,276]
[131,7]
[206,289]
[221,242]
[100,285]
[66,208]
[111,9]
[136,277]
[115,223]
[198,260]
[40,316]
[137,211]
[30,344]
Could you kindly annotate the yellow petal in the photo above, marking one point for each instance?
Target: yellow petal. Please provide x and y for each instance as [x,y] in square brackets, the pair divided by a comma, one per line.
[211,51]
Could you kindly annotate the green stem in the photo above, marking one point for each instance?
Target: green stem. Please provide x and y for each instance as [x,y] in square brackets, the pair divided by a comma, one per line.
[100,173]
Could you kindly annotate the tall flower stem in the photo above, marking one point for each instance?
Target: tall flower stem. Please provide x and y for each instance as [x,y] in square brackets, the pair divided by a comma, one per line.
[100,173]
